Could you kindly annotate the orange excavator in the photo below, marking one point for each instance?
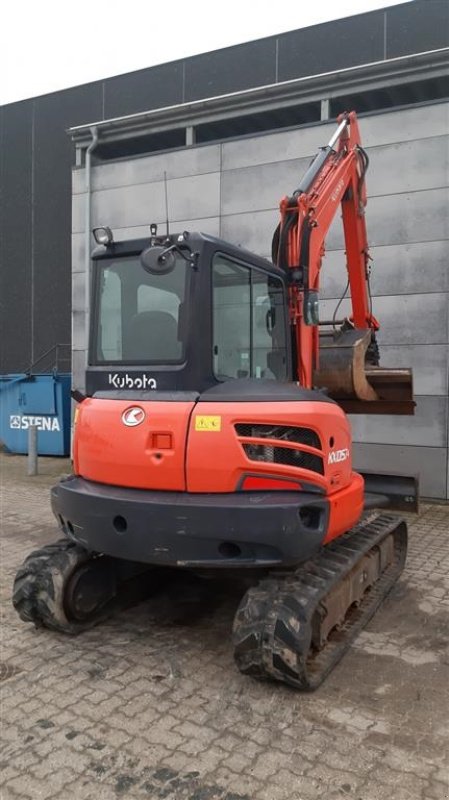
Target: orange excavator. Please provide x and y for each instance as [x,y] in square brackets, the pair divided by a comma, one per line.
[212,435]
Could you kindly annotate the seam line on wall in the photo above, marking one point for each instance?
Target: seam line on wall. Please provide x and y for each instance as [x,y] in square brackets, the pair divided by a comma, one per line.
[32,188]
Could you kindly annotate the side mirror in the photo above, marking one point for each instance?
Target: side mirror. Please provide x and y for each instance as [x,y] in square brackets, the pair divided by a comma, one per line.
[158,260]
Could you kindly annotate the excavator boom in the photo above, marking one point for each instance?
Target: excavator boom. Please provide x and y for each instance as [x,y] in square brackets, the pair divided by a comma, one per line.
[343,360]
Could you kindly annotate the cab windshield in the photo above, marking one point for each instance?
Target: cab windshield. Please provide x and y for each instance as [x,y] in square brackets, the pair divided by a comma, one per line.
[138,315]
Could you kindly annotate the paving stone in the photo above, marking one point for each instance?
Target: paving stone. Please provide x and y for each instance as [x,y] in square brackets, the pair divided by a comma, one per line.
[143,708]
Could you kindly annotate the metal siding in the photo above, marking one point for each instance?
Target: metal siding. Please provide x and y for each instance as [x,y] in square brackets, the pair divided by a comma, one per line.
[331,46]
[48,265]
[417,27]
[155,87]
[16,238]
[231,69]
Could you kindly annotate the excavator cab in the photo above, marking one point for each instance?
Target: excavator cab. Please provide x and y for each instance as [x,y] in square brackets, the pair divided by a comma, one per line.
[184,313]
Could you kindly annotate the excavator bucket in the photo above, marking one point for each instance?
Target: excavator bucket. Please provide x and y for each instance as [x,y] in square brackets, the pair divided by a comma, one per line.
[358,386]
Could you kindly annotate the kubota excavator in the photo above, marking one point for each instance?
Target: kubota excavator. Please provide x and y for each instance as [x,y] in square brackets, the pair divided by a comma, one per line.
[213,435]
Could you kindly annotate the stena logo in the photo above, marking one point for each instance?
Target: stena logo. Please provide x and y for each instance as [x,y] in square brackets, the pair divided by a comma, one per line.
[22,422]
[133,416]
[335,456]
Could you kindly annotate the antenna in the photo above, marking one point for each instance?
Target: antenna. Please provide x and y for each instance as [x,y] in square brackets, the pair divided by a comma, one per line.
[166,203]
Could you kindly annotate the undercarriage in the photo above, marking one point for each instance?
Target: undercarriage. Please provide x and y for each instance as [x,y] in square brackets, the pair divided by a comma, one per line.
[292,626]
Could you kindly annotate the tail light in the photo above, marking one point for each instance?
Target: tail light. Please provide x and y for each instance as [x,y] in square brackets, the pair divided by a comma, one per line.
[261,483]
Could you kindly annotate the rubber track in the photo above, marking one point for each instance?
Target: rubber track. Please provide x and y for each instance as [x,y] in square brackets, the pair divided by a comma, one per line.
[38,594]
[273,625]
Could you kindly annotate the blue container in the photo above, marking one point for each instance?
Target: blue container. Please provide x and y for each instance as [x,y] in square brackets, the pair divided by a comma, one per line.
[41,400]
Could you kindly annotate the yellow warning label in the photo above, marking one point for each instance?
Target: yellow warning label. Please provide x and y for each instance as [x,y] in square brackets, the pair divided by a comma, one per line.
[207,423]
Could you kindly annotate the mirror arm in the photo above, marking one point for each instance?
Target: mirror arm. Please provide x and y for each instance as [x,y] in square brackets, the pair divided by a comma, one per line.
[191,258]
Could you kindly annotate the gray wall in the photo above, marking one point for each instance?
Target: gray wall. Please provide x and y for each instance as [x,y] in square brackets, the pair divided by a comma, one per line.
[232,190]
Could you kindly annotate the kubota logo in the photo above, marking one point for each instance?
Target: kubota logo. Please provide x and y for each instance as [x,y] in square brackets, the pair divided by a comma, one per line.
[338,455]
[133,416]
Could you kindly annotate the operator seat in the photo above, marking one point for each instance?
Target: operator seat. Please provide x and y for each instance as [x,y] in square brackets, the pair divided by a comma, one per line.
[152,336]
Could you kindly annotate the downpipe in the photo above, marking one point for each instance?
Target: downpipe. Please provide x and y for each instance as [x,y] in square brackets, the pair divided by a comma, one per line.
[88,220]
[87,245]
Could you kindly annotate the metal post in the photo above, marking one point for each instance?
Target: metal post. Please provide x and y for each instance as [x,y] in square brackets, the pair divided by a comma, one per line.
[32,450]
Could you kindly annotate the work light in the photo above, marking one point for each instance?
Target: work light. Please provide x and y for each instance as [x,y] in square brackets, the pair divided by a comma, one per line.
[103,235]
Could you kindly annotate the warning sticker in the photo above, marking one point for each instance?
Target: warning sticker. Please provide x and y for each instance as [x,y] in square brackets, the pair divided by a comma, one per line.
[207,423]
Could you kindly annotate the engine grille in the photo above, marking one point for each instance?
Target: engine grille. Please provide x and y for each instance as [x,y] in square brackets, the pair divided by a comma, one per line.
[277,454]
[284,455]
[282,432]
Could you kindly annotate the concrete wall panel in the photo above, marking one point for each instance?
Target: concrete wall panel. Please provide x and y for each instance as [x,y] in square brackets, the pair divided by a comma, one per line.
[416,268]
[393,126]
[195,197]
[408,166]
[268,148]
[402,218]
[261,187]
[78,369]
[78,292]
[429,362]
[405,319]
[405,124]
[78,252]
[427,428]
[253,231]
[178,164]
[79,333]
[428,463]
[78,212]
[210,225]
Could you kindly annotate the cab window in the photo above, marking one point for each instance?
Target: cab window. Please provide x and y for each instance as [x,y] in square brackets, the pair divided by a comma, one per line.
[137,314]
[249,325]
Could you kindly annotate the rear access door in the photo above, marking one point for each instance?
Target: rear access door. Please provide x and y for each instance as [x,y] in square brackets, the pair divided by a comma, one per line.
[141,445]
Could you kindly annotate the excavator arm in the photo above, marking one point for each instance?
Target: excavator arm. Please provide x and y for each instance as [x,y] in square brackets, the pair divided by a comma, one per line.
[343,360]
